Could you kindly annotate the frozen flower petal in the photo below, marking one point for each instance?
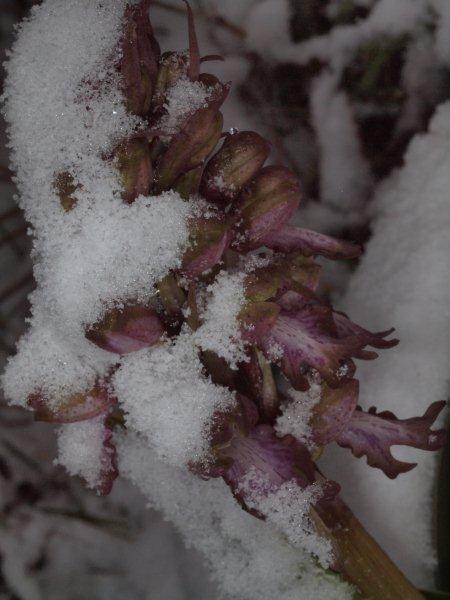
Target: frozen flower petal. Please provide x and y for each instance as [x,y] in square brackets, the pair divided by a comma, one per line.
[77,407]
[332,413]
[372,435]
[307,338]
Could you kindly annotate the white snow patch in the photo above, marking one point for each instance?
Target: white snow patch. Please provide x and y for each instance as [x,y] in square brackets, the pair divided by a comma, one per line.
[250,559]
[220,330]
[80,447]
[404,275]
[167,398]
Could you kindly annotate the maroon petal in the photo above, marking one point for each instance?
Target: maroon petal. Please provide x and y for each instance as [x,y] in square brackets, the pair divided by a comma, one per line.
[126,330]
[306,338]
[310,243]
[247,449]
[345,327]
[373,434]
[77,407]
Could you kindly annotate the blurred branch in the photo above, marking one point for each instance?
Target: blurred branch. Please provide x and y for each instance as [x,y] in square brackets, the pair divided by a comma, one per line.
[214,19]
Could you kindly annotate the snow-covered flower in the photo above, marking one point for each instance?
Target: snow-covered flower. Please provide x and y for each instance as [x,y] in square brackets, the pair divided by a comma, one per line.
[202,334]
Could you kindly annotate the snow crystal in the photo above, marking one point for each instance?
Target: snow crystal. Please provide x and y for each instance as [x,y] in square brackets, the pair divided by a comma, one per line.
[297,411]
[220,330]
[80,447]
[183,98]
[167,398]
[404,277]
[250,559]
[288,508]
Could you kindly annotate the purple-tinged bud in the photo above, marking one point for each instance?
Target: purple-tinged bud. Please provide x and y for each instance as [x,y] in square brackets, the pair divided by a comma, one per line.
[267,204]
[189,148]
[209,239]
[233,166]
[172,67]
[126,330]
[74,408]
[135,168]
[140,57]
[65,187]
[187,185]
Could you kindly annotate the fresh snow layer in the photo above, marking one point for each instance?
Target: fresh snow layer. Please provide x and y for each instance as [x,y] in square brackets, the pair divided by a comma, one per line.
[288,508]
[166,398]
[404,275]
[103,252]
[249,558]
[220,330]
[80,447]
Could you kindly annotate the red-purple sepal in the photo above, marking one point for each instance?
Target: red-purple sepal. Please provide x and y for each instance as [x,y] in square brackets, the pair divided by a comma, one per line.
[372,435]
[332,413]
[247,451]
[126,330]
[140,57]
[77,407]
[266,205]
[309,243]
[307,338]
[257,320]
[346,327]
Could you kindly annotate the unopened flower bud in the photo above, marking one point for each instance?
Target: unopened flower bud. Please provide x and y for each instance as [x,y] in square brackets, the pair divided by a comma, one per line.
[190,147]
[172,67]
[268,203]
[135,168]
[140,57]
[233,166]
